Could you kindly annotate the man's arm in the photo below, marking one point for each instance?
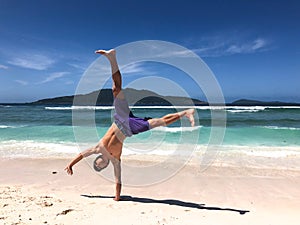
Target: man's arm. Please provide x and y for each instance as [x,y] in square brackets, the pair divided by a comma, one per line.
[117,170]
[80,156]
[72,163]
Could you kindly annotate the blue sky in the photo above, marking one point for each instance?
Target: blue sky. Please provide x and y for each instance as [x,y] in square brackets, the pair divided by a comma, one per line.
[252,47]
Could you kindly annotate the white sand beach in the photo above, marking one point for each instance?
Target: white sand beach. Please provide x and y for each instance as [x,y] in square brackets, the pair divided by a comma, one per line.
[38,191]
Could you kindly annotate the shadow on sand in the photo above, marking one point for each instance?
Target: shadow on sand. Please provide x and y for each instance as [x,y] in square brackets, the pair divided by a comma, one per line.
[169,202]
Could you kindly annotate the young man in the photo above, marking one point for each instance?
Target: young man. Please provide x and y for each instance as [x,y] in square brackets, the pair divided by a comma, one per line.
[125,125]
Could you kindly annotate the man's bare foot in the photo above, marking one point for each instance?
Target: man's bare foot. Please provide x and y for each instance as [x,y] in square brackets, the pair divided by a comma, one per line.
[190,115]
[110,54]
[117,199]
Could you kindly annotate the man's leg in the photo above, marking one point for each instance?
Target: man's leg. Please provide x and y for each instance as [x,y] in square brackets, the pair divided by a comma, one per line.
[116,75]
[171,118]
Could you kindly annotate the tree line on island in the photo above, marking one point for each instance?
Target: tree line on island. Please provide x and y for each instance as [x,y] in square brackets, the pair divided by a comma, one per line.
[104,97]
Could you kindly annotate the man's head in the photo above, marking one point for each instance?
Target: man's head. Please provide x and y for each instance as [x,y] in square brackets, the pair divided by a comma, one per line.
[100,163]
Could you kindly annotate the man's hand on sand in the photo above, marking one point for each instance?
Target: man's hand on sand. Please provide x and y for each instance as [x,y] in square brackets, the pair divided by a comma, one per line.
[69,170]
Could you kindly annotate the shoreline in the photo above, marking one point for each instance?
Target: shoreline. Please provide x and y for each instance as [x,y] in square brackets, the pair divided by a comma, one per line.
[36,191]
[263,157]
[66,149]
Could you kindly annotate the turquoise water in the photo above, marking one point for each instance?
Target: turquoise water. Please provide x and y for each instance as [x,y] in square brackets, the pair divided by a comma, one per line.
[32,128]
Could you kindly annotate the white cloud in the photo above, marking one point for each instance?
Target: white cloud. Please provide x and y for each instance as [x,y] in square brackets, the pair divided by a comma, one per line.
[53,76]
[217,46]
[246,48]
[78,66]
[22,82]
[259,43]
[172,53]
[32,61]
[133,68]
[227,43]
[69,82]
[3,67]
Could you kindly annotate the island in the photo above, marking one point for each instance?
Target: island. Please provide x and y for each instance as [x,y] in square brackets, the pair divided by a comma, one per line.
[104,97]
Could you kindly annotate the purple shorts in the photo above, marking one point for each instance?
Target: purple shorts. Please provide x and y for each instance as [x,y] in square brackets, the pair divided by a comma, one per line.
[126,121]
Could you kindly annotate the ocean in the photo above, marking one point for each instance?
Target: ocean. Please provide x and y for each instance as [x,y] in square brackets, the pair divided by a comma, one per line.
[44,131]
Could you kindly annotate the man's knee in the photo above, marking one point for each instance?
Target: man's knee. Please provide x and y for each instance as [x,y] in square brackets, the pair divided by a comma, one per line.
[116,91]
[156,122]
